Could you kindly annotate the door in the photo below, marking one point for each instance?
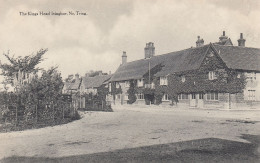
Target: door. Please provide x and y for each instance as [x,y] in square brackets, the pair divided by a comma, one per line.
[201,100]
[193,101]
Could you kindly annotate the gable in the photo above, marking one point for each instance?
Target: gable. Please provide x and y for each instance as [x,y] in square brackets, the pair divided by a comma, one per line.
[212,61]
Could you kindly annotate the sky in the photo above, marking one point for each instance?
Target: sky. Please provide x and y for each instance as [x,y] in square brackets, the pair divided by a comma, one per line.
[80,43]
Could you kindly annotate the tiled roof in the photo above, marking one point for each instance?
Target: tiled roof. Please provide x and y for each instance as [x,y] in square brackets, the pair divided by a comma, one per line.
[187,59]
[95,82]
[237,57]
[74,85]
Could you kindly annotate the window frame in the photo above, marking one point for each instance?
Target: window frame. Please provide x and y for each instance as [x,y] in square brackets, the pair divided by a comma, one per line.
[140,81]
[212,75]
[165,97]
[163,80]
[212,96]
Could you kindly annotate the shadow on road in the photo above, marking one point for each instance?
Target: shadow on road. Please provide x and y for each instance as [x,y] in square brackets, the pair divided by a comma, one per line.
[200,150]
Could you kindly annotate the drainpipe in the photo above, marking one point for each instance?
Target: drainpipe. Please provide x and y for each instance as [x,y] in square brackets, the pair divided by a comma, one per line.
[229,100]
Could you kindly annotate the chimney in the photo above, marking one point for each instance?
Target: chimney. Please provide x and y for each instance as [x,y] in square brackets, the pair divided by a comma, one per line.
[109,73]
[241,41]
[199,42]
[149,50]
[223,37]
[124,58]
[100,73]
[77,77]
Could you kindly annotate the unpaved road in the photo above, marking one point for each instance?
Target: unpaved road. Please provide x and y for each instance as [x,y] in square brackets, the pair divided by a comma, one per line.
[129,127]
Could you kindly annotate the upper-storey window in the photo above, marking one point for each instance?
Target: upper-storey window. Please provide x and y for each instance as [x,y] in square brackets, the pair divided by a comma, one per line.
[212,75]
[127,84]
[117,85]
[163,80]
[251,76]
[183,78]
[140,82]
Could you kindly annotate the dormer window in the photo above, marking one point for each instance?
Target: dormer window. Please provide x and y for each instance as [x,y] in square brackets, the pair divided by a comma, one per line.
[140,82]
[183,78]
[212,75]
[127,84]
[163,80]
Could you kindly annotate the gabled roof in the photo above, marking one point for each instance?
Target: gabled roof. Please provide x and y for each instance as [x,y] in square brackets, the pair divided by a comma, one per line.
[95,82]
[237,57]
[183,60]
[74,85]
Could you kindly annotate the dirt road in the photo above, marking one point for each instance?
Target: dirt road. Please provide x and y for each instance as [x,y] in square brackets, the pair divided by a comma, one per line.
[129,127]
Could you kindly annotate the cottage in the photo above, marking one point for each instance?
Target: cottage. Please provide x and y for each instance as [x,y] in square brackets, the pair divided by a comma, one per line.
[216,75]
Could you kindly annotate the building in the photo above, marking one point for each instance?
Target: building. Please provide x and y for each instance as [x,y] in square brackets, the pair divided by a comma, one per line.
[91,85]
[205,76]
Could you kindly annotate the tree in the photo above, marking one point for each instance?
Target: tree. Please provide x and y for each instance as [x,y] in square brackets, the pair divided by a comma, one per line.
[131,92]
[21,66]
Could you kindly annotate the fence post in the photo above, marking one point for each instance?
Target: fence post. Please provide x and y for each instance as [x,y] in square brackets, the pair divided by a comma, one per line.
[63,110]
[36,109]
[53,112]
[16,119]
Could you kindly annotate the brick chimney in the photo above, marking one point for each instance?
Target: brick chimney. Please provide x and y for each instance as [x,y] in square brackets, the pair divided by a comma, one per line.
[223,37]
[241,41]
[124,58]
[77,77]
[199,42]
[149,50]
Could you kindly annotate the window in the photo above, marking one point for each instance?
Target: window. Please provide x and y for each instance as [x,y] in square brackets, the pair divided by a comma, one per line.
[251,95]
[163,80]
[183,78]
[127,84]
[183,96]
[201,96]
[106,85]
[117,85]
[212,75]
[251,76]
[126,97]
[140,82]
[140,96]
[212,96]
[165,97]
[193,96]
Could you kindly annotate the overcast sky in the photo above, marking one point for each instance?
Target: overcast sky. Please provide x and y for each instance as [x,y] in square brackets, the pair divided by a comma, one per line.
[78,44]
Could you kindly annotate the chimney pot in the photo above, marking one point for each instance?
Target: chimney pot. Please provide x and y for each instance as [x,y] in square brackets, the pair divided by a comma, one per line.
[241,41]
[224,33]
[124,58]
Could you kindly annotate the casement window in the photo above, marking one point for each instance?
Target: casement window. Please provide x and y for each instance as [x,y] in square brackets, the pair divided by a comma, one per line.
[163,80]
[183,96]
[117,85]
[212,96]
[127,84]
[201,96]
[251,76]
[140,96]
[193,96]
[183,78]
[251,95]
[140,82]
[165,97]
[212,75]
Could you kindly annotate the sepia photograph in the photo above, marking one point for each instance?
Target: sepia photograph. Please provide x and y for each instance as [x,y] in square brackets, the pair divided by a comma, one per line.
[139,81]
